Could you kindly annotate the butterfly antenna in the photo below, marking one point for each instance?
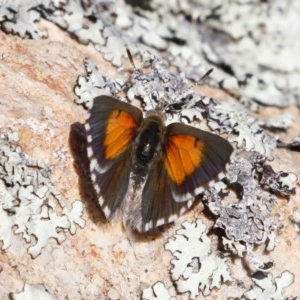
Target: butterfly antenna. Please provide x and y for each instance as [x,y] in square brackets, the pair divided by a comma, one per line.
[131,59]
[206,74]
[137,70]
[203,77]
[196,83]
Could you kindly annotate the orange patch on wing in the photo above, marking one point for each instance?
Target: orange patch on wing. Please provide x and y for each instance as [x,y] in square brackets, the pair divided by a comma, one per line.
[184,154]
[118,133]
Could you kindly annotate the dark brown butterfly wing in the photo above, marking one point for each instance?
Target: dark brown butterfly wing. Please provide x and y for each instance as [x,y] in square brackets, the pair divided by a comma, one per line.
[190,159]
[111,129]
[158,204]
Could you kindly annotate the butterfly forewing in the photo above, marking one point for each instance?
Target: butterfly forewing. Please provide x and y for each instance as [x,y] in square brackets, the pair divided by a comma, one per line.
[192,158]
[111,129]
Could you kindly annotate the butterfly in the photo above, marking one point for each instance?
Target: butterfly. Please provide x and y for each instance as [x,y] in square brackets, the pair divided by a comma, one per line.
[149,171]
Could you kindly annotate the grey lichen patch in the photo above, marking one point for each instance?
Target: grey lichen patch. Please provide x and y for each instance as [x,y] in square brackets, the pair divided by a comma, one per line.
[279,122]
[247,220]
[35,291]
[157,292]
[267,32]
[165,89]
[232,118]
[196,268]
[265,287]
[20,17]
[78,19]
[28,202]
[93,84]
[281,183]
[192,36]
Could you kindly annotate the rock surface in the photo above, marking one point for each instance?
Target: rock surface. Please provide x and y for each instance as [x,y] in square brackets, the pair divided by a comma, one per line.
[102,260]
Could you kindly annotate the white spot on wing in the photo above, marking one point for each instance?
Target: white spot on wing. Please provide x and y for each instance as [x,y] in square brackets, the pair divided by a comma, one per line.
[93,177]
[199,190]
[89,138]
[160,222]
[106,210]
[90,152]
[97,188]
[172,218]
[87,126]
[101,200]
[148,226]
[183,209]
[182,198]
[94,165]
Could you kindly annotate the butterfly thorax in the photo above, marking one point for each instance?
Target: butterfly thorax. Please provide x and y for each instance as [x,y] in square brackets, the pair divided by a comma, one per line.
[156,114]
[149,140]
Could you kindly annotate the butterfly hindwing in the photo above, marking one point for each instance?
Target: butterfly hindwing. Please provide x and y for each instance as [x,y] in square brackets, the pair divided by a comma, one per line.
[111,186]
[111,129]
[158,204]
